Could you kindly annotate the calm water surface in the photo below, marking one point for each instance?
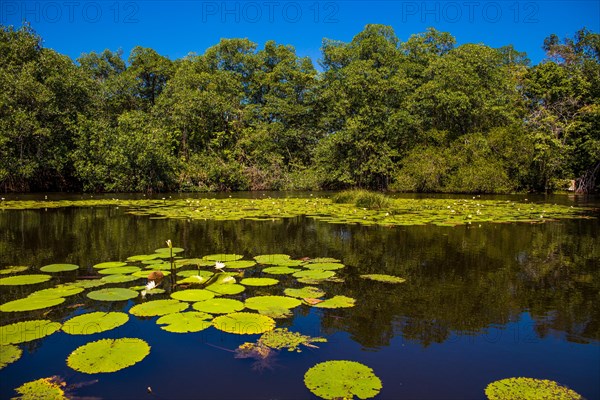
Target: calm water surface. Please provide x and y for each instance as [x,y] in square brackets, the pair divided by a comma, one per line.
[480,303]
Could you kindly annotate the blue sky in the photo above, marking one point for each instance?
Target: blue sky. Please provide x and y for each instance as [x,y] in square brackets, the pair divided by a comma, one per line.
[176,28]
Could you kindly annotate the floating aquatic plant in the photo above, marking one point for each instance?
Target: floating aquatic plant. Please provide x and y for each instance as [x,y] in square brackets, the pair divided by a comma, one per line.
[119,270]
[259,281]
[13,269]
[282,338]
[273,306]
[340,379]
[158,307]
[310,292]
[192,272]
[191,321]
[44,388]
[59,267]
[243,323]
[58,291]
[94,322]
[383,278]
[9,354]
[240,264]
[193,295]
[219,306]
[112,294]
[90,283]
[108,355]
[529,389]
[110,264]
[26,331]
[273,259]
[119,278]
[337,302]
[30,279]
[223,257]
[144,257]
[324,266]
[314,274]
[31,303]
[280,270]
[226,288]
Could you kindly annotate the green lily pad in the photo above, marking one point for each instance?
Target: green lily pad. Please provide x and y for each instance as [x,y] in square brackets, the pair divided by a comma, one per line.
[44,388]
[337,302]
[58,291]
[143,257]
[169,249]
[59,267]
[113,294]
[383,278]
[119,278]
[226,288]
[25,279]
[243,323]
[342,379]
[119,270]
[9,354]
[95,322]
[158,307]
[307,292]
[529,388]
[314,274]
[281,338]
[219,306]
[31,303]
[86,284]
[272,259]
[110,264]
[223,257]
[240,264]
[195,261]
[191,321]
[26,331]
[325,266]
[193,272]
[276,305]
[324,260]
[259,281]
[108,355]
[193,295]
[145,273]
[13,269]
[280,270]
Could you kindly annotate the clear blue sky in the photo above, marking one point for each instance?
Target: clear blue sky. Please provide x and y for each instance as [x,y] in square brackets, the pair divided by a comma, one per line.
[176,28]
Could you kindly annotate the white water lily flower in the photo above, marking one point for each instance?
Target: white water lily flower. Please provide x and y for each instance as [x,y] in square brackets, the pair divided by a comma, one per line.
[219,265]
[150,285]
[169,244]
[143,293]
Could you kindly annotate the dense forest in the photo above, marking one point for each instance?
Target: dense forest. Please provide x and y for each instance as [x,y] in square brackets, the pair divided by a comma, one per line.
[421,115]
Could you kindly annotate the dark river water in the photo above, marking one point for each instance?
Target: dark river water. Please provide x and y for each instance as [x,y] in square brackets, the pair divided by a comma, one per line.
[480,303]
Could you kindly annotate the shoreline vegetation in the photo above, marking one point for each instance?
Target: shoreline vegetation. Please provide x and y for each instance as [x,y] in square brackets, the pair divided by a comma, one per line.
[420,114]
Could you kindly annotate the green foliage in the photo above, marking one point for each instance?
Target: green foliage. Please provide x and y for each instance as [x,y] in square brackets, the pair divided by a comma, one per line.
[9,354]
[281,338]
[44,388]
[362,199]
[342,380]
[529,389]
[191,321]
[27,331]
[157,307]
[108,355]
[383,278]
[95,322]
[31,279]
[243,323]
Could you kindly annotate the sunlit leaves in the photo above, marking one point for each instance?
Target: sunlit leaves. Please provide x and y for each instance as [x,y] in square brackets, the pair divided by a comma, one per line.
[342,379]
[108,355]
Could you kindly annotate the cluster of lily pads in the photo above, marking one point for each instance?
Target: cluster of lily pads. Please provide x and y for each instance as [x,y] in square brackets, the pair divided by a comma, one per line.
[443,212]
[197,296]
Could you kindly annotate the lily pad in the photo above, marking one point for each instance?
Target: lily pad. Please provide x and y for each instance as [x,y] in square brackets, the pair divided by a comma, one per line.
[193,295]
[240,264]
[146,273]
[25,279]
[59,291]
[259,281]
[272,304]
[307,292]
[169,249]
[108,355]
[110,264]
[325,266]
[315,274]
[223,257]
[279,270]
[191,321]
[86,284]
[59,267]
[337,302]
[342,379]
[144,257]
[219,306]
[95,322]
[31,303]
[112,294]
[243,323]
[118,278]
[9,354]
[26,331]
[529,388]
[193,272]
[383,278]
[158,307]
[119,270]
[13,269]
[44,388]
[281,338]
[324,260]
[226,288]
[272,259]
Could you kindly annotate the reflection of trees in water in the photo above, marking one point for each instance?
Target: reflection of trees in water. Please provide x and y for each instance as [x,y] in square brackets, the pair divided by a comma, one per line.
[459,280]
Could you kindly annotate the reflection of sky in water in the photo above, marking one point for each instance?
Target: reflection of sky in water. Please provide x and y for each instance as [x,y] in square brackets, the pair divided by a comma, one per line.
[479,304]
